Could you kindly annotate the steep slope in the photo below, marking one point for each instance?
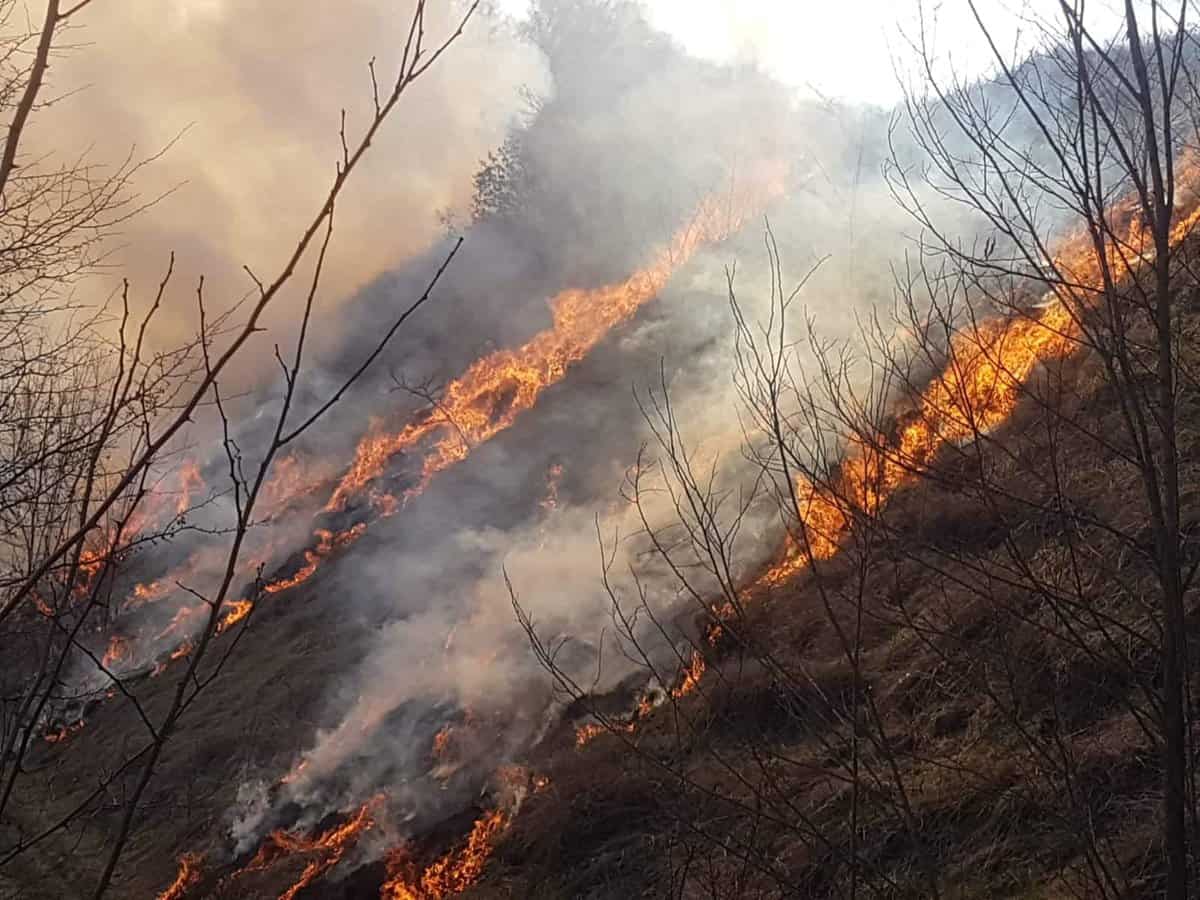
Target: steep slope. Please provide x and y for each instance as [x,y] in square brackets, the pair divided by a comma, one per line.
[1006,665]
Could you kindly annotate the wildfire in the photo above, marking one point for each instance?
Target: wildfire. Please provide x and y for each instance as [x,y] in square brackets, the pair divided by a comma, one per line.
[118,649]
[181,617]
[988,365]
[64,732]
[190,480]
[235,611]
[91,562]
[147,593]
[328,848]
[294,773]
[496,389]
[327,543]
[441,741]
[178,653]
[451,874]
[978,390]
[290,480]
[692,674]
[486,400]
[589,731]
[187,877]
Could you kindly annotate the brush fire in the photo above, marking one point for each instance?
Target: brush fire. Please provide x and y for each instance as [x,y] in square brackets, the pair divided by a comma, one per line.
[988,365]
[370,587]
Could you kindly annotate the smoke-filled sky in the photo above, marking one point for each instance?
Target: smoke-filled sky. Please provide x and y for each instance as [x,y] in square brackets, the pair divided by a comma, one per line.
[254,94]
[851,51]
[248,97]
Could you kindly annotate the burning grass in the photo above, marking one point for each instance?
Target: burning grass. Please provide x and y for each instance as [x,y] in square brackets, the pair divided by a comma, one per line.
[496,389]
[186,879]
[450,874]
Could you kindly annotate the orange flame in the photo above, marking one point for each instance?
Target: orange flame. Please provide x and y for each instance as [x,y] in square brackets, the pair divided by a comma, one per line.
[588,732]
[451,874]
[692,674]
[64,732]
[190,480]
[327,543]
[328,847]
[182,615]
[147,593]
[441,741]
[988,365]
[235,611]
[485,401]
[187,878]
[978,390]
[294,773]
[290,480]
[118,649]
[496,389]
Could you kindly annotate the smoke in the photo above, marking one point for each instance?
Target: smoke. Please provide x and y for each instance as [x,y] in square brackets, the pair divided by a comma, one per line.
[248,100]
[452,645]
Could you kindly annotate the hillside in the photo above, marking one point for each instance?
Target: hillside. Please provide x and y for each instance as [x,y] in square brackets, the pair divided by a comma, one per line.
[740,493]
[1004,657]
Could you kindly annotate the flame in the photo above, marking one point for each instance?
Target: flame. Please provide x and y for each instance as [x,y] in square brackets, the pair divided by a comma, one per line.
[988,365]
[587,732]
[190,480]
[496,389]
[289,481]
[181,617]
[178,653]
[187,878]
[978,390]
[294,773]
[118,649]
[486,400]
[91,562]
[441,741]
[451,874]
[235,611]
[64,732]
[327,543]
[147,593]
[692,673]
[328,848]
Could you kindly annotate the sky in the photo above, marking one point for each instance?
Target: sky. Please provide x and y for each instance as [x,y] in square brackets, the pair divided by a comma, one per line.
[848,49]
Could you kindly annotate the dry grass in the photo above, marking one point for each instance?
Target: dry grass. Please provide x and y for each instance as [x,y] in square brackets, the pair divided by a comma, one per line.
[971,676]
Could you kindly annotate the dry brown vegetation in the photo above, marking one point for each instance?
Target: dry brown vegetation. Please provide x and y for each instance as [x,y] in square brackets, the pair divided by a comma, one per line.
[972,686]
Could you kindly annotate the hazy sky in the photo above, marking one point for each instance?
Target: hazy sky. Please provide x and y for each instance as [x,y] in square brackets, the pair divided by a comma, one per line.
[254,93]
[256,90]
[846,48]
